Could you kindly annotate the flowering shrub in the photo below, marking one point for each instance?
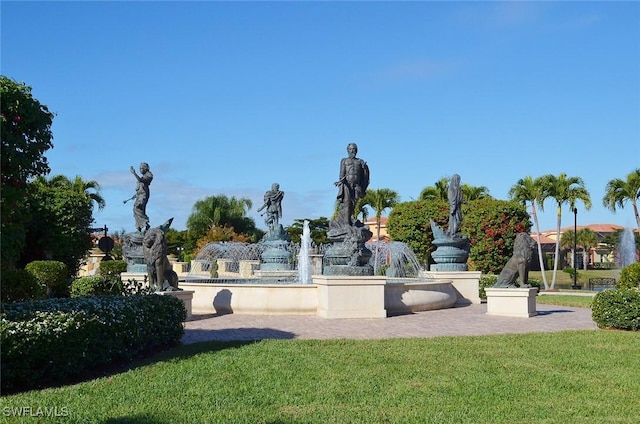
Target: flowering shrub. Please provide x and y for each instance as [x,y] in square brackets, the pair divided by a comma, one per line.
[50,340]
[629,277]
[619,308]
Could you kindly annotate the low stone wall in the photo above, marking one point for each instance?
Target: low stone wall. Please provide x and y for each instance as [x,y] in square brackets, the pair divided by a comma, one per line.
[328,297]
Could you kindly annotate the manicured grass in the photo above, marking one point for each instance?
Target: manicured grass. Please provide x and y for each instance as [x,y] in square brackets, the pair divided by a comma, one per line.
[565,281]
[565,377]
[565,300]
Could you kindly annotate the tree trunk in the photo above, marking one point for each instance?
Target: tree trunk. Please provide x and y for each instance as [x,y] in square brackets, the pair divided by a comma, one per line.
[540,257]
[557,251]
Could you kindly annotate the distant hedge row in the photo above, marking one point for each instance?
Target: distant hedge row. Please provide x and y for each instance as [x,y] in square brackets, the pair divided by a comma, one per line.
[50,340]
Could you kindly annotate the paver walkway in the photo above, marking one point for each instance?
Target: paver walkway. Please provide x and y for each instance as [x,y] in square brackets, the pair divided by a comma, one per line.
[469,320]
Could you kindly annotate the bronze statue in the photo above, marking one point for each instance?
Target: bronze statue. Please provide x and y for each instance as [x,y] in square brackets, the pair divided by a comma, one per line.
[455,206]
[352,185]
[518,264]
[161,275]
[273,205]
[141,197]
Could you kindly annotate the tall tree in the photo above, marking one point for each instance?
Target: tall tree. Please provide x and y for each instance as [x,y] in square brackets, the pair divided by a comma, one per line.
[564,190]
[317,228]
[470,192]
[531,190]
[567,242]
[89,189]
[221,211]
[618,192]
[438,191]
[25,135]
[586,239]
[380,200]
[60,218]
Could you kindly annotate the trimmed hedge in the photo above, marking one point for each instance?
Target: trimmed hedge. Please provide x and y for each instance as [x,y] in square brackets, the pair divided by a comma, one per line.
[112,269]
[49,341]
[52,275]
[629,277]
[18,285]
[618,308]
[95,285]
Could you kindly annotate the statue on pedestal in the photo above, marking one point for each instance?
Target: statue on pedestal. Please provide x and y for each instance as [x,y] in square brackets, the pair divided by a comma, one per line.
[453,248]
[348,254]
[160,273]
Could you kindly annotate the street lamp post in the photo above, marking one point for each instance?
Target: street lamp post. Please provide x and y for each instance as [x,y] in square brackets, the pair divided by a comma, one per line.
[575,248]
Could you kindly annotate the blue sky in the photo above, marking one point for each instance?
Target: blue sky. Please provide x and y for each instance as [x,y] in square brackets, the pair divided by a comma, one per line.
[230,97]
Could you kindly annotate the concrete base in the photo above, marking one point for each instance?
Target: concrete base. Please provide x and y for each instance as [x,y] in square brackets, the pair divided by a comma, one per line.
[186,296]
[512,302]
[328,297]
[350,297]
[467,283]
[254,299]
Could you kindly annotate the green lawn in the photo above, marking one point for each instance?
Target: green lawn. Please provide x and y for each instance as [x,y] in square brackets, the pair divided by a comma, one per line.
[565,377]
[565,281]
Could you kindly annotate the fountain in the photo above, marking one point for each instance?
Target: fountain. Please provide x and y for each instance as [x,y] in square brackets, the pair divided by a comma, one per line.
[397,259]
[304,258]
[247,282]
[628,252]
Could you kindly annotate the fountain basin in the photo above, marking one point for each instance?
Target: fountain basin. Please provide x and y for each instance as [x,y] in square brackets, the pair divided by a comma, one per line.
[411,296]
[328,297]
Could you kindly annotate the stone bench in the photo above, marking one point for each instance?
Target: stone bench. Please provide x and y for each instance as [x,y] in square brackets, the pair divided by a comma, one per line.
[601,283]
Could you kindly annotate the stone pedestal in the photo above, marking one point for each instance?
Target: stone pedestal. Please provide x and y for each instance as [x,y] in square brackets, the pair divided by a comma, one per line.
[276,256]
[133,253]
[350,296]
[186,296]
[511,302]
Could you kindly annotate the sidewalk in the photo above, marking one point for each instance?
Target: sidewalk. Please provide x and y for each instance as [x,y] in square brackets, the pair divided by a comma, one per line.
[463,321]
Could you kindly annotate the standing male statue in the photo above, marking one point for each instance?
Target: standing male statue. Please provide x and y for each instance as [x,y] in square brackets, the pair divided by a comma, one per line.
[273,206]
[352,185]
[141,197]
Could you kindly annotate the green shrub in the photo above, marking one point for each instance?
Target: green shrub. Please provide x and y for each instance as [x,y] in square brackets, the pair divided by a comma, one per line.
[19,284]
[112,269]
[629,277]
[486,280]
[52,275]
[618,308]
[95,285]
[48,341]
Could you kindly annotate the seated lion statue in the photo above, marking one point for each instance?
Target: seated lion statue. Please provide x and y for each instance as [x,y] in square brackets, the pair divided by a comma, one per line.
[160,273]
[519,264]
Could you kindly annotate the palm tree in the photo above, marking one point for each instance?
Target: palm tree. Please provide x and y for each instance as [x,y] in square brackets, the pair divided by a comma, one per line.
[379,200]
[567,242]
[531,190]
[90,189]
[438,191]
[470,192]
[586,239]
[217,211]
[359,209]
[618,192]
[563,190]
